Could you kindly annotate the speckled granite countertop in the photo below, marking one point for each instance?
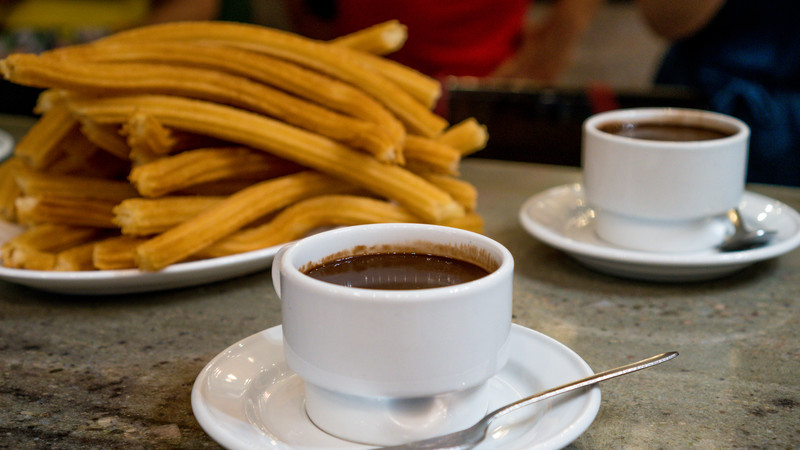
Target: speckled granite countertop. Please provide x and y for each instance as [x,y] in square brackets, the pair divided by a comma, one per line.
[117,371]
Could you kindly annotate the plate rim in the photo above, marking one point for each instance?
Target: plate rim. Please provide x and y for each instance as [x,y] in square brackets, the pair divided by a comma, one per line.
[577,426]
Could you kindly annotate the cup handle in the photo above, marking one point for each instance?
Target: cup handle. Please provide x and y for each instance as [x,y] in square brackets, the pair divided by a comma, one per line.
[276,268]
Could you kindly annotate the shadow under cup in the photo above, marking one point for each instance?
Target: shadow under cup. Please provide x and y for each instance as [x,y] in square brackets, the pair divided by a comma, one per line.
[384,367]
[662,179]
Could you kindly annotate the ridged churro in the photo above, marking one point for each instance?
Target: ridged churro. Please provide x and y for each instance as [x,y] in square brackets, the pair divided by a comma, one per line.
[76,258]
[9,190]
[36,247]
[193,167]
[467,136]
[336,61]
[116,253]
[147,139]
[236,211]
[204,84]
[380,39]
[34,183]
[107,137]
[427,155]
[472,222]
[302,217]
[283,75]
[84,212]
[462,191]
[385,38]
[70,153]
[217,188]
[148,216]
[90,162]
[180,141]
[40,146]
[307,149]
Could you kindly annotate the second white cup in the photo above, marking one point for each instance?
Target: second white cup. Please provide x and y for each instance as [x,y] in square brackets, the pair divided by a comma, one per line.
[661,179]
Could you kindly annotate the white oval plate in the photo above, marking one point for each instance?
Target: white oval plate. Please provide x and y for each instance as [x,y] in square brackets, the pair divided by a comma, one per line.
[560,218]
[247,397]
[102,282]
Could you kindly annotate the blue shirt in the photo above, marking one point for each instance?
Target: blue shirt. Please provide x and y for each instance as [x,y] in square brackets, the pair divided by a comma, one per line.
[746,62]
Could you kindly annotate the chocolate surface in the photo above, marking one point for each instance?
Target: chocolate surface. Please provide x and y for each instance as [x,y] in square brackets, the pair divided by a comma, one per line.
[660,131]
[401,271]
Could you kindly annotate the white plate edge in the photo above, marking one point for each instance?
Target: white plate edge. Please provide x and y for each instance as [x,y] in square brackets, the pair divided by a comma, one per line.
[656,259]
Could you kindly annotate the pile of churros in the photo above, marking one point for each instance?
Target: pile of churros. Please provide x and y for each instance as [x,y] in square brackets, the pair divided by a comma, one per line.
[194,140]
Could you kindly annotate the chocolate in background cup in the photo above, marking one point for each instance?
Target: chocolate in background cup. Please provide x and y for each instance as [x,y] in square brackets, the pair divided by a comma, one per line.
[384,367]
[663,196]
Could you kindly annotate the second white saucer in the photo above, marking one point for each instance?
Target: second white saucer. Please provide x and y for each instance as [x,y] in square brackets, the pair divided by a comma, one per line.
[560,218]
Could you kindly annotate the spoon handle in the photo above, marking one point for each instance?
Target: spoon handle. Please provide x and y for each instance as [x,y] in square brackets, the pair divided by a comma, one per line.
[583,382]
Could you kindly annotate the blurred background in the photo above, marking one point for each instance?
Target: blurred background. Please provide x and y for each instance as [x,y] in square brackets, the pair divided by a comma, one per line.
[613,66]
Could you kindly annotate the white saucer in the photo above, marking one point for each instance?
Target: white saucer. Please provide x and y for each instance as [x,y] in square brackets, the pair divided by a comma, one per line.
[247,397]
[560,218]
[6,144]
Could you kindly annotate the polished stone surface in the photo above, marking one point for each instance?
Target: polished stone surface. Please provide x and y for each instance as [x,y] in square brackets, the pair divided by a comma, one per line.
[117,371]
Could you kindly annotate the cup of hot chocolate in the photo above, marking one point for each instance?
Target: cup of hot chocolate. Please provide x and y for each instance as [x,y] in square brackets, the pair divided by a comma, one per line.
[661,179]
[395,329]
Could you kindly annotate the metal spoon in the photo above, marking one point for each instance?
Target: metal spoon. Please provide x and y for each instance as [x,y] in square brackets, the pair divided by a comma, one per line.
[744,238]
[473,435]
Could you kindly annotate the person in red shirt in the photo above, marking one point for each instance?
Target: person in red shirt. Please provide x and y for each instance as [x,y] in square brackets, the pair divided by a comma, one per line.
[461,37]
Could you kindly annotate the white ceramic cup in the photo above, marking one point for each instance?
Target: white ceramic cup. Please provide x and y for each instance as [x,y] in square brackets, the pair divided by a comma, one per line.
[664,196]
[384,367]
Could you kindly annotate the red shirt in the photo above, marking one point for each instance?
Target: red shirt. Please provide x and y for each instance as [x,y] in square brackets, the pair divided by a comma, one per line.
[445,37]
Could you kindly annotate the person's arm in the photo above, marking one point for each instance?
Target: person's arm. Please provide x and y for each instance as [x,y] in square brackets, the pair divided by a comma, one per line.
[547,48]
[677,19]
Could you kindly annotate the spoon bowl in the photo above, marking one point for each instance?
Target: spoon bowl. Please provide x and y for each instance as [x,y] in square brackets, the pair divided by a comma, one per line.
[744,238]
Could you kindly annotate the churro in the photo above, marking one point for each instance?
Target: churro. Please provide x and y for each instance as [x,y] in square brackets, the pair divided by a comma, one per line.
[217,188]
[380,39]
[94,164]
[204,84]
[336,61]
[302,147]
[40,146]
[34,183]
[147,138]
[297,220]
[283,75]
[70,153]
[26,257]
[148,216]
[116,253]
[427,155]
[9,190]
[467,136]
[88,212]
[36,247]
[462,191]
[76,258]
[236,211]
[472,222]
[193,167]
[281,134]
[106,137]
